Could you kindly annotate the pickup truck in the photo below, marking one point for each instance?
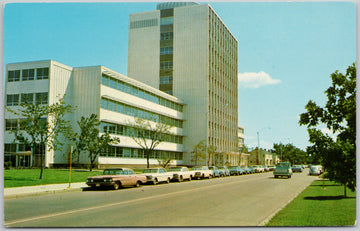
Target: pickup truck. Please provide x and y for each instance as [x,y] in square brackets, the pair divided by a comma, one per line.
[201,172]
[179,173]
[156,175]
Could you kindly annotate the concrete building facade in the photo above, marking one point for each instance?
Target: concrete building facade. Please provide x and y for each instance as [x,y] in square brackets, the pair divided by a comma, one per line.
[186,50]
[113,97]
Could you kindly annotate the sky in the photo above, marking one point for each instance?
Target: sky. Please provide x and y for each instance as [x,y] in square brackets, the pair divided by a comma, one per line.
[286,51]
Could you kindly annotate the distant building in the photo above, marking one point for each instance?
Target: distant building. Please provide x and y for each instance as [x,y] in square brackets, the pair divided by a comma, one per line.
[114,98]
[184,49]
[262,158]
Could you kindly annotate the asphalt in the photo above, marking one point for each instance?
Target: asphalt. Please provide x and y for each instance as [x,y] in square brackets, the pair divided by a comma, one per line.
[28,191]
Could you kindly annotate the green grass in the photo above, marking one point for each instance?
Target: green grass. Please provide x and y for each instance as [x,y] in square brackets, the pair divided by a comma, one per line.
[316,206]
[29,177]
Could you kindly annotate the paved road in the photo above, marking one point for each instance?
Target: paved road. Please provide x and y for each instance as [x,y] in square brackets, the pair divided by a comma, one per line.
[233,201]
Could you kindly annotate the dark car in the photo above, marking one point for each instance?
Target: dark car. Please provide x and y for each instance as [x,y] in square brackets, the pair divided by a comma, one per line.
[297,168]
[215,171]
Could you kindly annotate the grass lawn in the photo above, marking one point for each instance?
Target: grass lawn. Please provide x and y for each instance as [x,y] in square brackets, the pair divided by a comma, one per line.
[28,177]
[316,206]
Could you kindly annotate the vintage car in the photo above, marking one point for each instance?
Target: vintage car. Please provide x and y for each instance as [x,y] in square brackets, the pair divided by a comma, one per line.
[297,168]
[315,170]
[224,171]
[215,171]
[258,168]
[201,172]
[116,178]
[283,169]
[236,170]
[180,173]
[156,175]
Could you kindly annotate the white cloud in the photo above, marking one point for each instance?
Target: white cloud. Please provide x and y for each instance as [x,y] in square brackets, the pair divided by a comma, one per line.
[256,80]
[330,133]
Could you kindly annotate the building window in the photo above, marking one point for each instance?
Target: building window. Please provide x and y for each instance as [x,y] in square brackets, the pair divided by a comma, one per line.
[11,124]
[27,98]
[42,73]
[28,74]
[143,23]
[14,76]
[166,79]
[166,65]
[41,98]
[10,148]
[166,50]
[167,21]
[12,100]
[167,36]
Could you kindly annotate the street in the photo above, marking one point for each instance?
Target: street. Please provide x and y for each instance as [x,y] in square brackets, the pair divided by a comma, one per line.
[247,200]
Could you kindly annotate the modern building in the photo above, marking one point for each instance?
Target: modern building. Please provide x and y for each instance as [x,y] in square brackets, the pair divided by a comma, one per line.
[113,97]
[185,49]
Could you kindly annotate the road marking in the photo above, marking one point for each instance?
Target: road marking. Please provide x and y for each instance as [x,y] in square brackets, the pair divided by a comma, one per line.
[121,203]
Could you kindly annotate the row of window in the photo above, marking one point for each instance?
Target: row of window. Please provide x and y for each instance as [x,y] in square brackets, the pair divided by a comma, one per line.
[17,99]
[118,129]
[122,152]
[143,23]
[14,124]
[167,36]
[140,113]
[127,88]
[13,148]
[167,21]
[166,65]
[28,74]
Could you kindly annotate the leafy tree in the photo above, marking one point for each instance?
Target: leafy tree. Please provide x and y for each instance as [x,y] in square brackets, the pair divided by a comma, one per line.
[338,156]
[148,135]
[90,140]
[290,153]
[43,125]
[211,152]
[165,161]
[199,152]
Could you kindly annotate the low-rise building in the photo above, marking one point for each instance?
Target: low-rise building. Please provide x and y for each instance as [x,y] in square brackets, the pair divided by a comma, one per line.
[116,100]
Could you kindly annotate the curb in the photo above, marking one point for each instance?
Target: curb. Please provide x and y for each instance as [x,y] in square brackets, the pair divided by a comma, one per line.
[24,195]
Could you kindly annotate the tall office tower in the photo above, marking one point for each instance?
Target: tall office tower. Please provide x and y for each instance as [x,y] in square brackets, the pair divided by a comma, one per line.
[185,50]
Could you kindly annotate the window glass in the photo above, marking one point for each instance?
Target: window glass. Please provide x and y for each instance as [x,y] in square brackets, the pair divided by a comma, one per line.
[104,103]
[28,74]
[27,98]
[167,21]
[120,108]
[12,100]
[42,73]
[112,106]
[14,76]
[120,86]
[127,110]
[104,127]
[41,98]
[113,83]
[126,152]
[11,124]
[112,128]
[105,80]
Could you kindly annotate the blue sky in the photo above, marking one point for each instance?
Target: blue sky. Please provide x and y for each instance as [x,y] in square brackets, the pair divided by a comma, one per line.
[286,51]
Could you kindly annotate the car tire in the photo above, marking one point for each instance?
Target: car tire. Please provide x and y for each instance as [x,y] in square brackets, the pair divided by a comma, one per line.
[276,176]
[138,183]
[168,181]
[116,186]
[189,178]
[155,181]
[181,179]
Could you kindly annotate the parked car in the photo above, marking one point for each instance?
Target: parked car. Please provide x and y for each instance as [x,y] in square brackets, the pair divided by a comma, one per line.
[258,168]
[236,171]
[283,169]
[215,171]
[272,167]
[157,175]
[116,178]
[251,169]
[266,168]
[315,170]
[297,168]
[247,170]
[224,171]
[180,173]
[201,172]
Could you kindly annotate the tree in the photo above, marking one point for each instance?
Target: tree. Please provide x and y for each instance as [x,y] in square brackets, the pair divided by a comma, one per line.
[90,140]
[165,161]
[199,152]
[148,135]
[338,154]
[42,125]
[290,153]
[211,151]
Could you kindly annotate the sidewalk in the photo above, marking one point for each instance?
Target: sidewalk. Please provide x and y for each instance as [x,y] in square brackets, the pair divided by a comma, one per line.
[20,192]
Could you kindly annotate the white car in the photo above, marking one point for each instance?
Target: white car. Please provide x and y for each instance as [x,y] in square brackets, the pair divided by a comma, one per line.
[315,170]
[201,172]
[157,175]
[258,168]
[180,173]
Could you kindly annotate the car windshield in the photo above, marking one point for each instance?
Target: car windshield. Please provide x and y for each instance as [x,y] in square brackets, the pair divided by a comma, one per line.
[233,167]
[150,171]
[174,169]
[113,172]
[283,165]
[221,168]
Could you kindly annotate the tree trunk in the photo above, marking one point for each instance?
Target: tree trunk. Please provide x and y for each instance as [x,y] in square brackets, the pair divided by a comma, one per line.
[345,190]
[147,158]
[42,157]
